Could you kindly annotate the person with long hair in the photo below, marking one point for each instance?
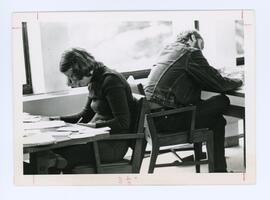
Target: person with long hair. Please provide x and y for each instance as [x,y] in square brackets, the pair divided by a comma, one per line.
[110,104]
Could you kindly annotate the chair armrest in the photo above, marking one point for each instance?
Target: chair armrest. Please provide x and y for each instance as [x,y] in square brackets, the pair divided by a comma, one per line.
[124,136]
[171,112]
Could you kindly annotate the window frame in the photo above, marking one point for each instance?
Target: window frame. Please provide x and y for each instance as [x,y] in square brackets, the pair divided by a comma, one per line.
[240,61]
[138,74]
[27,88]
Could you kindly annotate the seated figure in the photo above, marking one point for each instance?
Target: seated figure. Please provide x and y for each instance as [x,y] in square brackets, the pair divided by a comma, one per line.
[178,78]
[110,104]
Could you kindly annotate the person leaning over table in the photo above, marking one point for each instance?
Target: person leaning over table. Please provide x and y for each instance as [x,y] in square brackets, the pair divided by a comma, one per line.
[110,104]
[178,78]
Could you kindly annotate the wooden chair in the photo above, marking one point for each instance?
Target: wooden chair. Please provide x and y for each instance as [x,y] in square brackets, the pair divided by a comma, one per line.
[197,147]
[193,138]
[137,138]
[188,136]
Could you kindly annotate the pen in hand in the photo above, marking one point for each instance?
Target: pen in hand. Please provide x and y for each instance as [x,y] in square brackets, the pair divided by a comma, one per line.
[79,120]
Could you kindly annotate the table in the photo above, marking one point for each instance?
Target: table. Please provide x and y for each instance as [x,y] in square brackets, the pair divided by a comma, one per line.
[39,153]
[238,111]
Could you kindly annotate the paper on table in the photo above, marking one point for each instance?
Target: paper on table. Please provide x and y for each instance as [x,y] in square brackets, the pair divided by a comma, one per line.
[31,118]
[68,128]
[38,139]
[25,114]
[44,124]
[85,135]
[27,133]
[83,129]
[90,130]
[58,133]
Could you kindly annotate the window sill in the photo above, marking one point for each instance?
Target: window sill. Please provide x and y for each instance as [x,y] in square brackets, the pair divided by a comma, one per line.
[70,92]
[63,93]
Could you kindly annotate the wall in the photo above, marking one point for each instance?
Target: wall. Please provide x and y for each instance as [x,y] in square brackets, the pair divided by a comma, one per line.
[63,105]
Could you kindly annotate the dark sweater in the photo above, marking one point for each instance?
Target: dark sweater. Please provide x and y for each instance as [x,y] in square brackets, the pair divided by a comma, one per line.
[110,103]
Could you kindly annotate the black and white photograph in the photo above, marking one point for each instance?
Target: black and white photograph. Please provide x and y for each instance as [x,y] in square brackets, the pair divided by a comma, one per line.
[134,97]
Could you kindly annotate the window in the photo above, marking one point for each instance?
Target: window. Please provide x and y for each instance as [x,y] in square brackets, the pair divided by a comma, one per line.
[224,42]
[126,46]
[239,32]
[128,42]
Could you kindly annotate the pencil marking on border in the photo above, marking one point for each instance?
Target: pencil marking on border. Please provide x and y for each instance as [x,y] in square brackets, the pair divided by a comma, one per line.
[126,180]
[242,17]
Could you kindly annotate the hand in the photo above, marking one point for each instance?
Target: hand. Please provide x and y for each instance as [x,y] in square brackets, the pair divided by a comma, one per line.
[91,125]
[54,118]
[239,82]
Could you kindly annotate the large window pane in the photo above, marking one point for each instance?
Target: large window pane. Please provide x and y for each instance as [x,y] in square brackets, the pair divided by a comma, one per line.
[124,46]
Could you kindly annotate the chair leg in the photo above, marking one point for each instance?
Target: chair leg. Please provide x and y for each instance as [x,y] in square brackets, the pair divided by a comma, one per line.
[210,151]
[97,157]
[197,153]
[144,143]
[153,158]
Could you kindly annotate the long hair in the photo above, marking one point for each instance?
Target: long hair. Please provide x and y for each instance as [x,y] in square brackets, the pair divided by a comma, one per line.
[80,61]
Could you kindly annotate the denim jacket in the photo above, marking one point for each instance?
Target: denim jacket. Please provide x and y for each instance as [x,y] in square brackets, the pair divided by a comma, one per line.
[180,74]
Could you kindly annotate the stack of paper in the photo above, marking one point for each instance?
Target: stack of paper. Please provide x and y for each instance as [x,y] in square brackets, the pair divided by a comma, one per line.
[43,124]
[84,131]
[38,139]
[27,133]
[27,118]
[85,135]
[58,133]
[31,119]
[36,132]
[71,128]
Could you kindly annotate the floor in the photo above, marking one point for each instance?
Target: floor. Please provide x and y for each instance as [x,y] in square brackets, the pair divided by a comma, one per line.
[234,158]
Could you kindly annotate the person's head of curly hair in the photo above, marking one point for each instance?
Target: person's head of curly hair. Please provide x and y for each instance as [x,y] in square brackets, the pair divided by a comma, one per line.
[80,61]
[185,36]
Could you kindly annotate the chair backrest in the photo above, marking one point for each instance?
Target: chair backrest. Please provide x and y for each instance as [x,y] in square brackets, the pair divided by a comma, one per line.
[138,146]
[184,117]
[138,113]
[153,109]
[138,92]
[137,143]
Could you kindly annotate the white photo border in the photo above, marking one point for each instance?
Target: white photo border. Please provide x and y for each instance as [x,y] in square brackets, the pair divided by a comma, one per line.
[248,177]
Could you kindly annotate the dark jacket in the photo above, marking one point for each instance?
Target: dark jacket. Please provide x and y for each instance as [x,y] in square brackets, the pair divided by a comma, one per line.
[180,75]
